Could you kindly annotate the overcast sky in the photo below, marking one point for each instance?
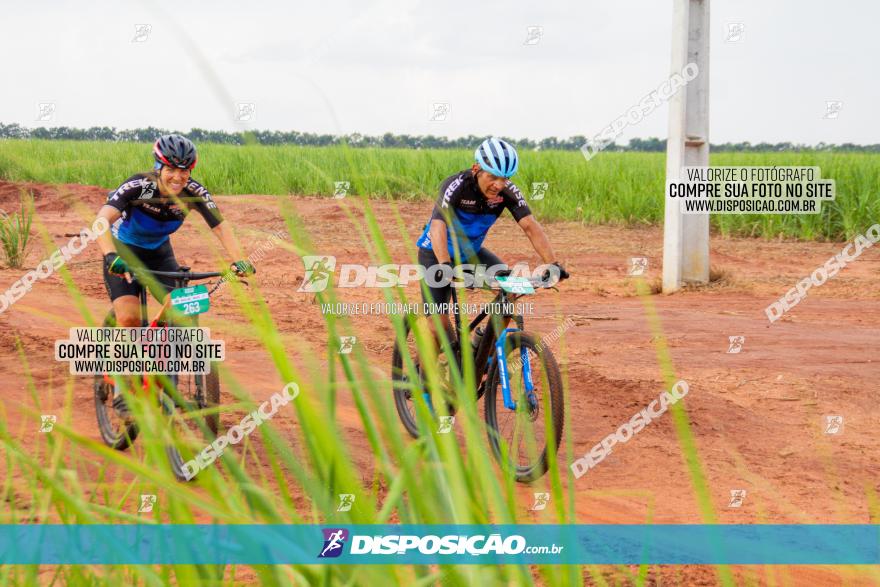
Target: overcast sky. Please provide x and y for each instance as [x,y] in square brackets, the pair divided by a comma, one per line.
[343,66]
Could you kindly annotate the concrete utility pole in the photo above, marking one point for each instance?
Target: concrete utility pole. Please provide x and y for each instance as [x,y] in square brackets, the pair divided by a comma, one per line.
[686,237]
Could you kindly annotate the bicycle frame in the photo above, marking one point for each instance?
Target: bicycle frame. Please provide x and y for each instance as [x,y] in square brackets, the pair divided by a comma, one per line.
[182,277]
[485,353]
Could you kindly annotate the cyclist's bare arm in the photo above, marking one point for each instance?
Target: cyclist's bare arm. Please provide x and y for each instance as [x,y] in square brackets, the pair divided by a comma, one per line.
[224,234]
[105,239]
[438,240]
[538,238]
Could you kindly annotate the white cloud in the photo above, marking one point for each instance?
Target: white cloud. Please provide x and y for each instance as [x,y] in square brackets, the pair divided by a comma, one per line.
[345,66]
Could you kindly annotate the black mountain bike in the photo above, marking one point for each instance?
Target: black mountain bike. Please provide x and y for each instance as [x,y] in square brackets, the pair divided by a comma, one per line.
[182,396]
[517,375]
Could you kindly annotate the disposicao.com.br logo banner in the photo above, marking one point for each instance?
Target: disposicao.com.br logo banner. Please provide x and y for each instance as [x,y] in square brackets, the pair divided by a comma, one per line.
[273,544]
[433,543]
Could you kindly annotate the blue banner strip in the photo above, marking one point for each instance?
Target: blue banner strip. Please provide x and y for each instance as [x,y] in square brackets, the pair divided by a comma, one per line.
[449,544]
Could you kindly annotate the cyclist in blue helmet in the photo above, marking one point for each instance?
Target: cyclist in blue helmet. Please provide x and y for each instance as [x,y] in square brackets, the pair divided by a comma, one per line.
[469,204]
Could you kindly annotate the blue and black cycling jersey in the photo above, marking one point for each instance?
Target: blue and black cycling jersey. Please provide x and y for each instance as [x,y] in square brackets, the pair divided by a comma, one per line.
[469,214]
[148,218]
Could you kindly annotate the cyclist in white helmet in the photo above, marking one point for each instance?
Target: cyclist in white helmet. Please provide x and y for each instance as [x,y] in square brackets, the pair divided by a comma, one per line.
[469,204]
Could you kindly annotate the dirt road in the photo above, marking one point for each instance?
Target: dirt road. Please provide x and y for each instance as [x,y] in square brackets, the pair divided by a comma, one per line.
[757,415]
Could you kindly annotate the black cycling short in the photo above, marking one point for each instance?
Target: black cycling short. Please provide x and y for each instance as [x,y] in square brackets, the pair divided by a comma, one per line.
[158,259]
[440,295]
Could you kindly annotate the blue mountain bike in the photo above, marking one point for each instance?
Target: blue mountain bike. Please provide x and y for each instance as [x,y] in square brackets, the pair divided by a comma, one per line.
[518,376]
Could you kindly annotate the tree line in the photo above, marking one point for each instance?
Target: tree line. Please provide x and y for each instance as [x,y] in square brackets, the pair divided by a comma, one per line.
[387,140]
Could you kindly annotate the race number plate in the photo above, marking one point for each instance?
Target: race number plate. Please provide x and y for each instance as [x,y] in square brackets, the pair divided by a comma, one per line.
[516,285]
[191,300]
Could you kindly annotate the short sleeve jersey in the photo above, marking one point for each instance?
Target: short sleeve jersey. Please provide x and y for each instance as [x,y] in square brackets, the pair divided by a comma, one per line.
[148,218]
[469,214]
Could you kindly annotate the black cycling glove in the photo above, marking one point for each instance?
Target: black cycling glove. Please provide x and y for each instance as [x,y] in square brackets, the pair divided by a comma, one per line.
[550,273]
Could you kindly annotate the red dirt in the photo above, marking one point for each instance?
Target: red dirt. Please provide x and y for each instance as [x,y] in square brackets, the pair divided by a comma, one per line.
[756,416]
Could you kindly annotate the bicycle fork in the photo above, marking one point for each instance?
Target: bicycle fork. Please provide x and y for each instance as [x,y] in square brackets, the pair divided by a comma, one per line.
[509,402]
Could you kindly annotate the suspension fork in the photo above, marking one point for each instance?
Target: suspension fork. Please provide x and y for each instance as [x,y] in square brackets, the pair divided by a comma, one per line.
[509,402]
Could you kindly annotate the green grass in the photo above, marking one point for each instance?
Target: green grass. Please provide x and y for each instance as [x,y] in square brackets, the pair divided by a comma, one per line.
[15,229]
[295,476]
[619,188]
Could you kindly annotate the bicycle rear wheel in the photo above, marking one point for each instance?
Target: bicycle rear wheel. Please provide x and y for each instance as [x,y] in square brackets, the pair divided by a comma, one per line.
[410,382]
[407,381]
[521,438]
[114,431]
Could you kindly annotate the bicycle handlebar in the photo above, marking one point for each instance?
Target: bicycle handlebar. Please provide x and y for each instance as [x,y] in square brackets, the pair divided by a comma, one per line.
[188,275]
[492,284]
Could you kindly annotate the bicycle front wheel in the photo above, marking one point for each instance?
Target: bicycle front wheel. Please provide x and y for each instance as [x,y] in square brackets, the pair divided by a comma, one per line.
[190,406]
[521,438]
[115,432]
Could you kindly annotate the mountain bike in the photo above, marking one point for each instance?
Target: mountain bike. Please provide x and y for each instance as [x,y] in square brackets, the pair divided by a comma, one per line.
[182,396]
[505,359]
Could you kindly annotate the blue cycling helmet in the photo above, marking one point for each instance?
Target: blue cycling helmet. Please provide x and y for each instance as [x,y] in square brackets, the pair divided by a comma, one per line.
[497,157]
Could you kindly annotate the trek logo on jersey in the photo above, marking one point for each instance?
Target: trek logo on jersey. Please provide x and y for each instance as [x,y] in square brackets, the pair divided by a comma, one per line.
[447,195]
[334,542]
[135,183]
